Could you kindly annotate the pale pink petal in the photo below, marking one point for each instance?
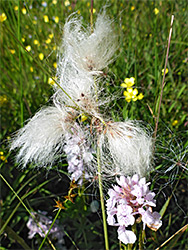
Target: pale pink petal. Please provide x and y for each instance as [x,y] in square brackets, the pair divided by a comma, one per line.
[126,236]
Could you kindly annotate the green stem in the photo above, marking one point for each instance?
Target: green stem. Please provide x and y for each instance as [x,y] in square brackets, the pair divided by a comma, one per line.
[59,210]
[20,69]
[102,200]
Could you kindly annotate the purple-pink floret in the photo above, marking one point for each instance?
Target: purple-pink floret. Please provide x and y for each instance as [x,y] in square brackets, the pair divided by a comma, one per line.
[130,198]
[39,223]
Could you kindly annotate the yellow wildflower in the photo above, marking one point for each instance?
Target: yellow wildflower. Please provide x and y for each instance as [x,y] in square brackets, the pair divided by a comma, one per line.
[34,22]
[48,41]
[131,94]
[166,72]
[16,8]
[12,51]
[36,42]
[78,12]
[23,39]
[3,17]
[41,56]
[55,65]
[54,1]
[156,11]
[31,69]
[51,81]
[51,35]
[83,117]
[140,96]
[128,82]
[54,47]
[1,153]
[24,11]
[67,3]
[94,10]
[56,19]
[175,122]
[46,19]
[132,8]
[28,48]
[88,4]
[27,27]
[3,99]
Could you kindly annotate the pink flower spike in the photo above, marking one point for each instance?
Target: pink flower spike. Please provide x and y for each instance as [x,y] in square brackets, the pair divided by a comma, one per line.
[126,236]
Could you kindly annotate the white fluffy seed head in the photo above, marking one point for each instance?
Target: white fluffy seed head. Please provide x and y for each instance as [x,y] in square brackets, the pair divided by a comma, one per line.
[128,147]
[41,139]
[89,52]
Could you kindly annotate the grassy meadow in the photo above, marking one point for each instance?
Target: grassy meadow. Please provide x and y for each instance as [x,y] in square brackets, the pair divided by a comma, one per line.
[31,34]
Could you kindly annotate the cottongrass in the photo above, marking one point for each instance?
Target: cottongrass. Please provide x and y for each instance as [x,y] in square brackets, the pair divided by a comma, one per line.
[89,52]
[128,147]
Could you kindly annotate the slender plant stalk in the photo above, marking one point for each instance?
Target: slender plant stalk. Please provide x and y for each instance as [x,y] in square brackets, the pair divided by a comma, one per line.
[91,17]
[179,231]
[59,210]
[102,200]
[163,82]
[20,69]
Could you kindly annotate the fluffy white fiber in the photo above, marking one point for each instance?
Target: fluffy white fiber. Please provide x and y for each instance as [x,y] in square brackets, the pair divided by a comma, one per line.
[128,147]
[41,138]
[90,52]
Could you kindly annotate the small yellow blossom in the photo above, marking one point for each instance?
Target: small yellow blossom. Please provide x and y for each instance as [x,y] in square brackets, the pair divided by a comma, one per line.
[132,8]
[175,122]
[56,19]
[28,48]
[67,3]
[24,11]
[48,41]
[140,96]
[51,81]
[54,47]
[94,10]
[128,82]
[54,1]
[156,11]
[51,35]
[130,94]
[41,56]
[31,69]
[46,19]
[23,39]
[2,157]
[46,46]
[27,27]
[34,22]
[16,8]
[78,12]
[12,51]
[55,65]
[83,117]
[36,42]
[3,17]
[166,72]
[88,4]
[3,99]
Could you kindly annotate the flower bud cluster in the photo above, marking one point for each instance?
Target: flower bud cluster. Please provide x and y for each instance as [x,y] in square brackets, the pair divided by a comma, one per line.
[129,202]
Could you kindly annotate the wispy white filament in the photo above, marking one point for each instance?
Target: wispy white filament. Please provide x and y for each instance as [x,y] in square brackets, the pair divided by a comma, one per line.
[42,137]
[89,52]
[127,147]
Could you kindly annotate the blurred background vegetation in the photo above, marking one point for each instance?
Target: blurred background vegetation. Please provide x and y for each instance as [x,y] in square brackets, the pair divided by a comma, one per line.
[31,32]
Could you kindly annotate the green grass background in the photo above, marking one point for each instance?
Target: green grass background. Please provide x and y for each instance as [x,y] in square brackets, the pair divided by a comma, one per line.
[25,89]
